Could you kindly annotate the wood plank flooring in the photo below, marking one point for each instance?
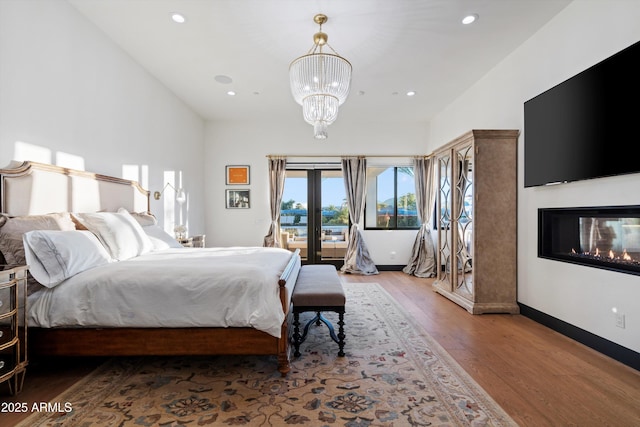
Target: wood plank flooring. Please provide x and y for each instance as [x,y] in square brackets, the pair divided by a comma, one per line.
[539,377]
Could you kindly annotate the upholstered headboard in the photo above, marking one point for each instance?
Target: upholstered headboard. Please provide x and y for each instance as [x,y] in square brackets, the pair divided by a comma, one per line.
[30,188]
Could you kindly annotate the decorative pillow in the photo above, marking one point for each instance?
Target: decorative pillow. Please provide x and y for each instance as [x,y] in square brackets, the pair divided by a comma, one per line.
[78,224]
[120,234]
[144,219]
[54,256]
[12,229]
[160,238]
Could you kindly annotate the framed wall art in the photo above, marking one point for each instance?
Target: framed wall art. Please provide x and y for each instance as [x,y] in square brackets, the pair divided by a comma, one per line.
[237,175]
[237,199]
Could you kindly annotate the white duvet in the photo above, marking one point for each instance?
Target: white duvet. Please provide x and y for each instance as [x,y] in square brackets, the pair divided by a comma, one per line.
[186,287]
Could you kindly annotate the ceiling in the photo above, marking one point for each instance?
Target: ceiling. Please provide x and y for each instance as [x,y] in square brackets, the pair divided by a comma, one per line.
[394,46]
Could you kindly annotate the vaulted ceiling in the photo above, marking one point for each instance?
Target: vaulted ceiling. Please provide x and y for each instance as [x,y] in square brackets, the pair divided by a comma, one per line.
[394,46]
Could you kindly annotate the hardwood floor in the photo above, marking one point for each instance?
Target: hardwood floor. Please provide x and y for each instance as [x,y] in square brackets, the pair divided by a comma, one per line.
[541,378]
[538,376]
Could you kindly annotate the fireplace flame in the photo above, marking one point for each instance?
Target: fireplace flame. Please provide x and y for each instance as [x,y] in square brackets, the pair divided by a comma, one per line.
[623,258]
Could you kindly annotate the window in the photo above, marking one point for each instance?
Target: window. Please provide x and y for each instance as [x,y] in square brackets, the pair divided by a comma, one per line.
[391,198]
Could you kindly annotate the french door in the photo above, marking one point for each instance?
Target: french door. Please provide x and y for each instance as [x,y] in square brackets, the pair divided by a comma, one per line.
[314,216]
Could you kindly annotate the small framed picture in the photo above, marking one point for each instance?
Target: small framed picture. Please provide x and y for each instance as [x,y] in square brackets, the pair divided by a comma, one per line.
[237,199]
[237,175]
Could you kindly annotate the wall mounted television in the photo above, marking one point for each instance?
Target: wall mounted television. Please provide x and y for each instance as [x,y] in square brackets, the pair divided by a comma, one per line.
[585,127]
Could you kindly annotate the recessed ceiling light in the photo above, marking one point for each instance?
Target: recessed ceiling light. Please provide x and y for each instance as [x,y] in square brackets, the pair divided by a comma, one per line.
[178,17]
[469,19]
[411,93]
[231,93]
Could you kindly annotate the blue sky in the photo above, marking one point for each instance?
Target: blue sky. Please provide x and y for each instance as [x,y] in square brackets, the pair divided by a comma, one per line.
[332,190]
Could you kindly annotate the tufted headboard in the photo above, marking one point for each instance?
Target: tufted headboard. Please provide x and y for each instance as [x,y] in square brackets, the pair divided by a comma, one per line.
[30,188]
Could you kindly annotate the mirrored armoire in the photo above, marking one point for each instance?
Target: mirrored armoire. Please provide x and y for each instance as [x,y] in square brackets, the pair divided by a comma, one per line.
[476,221]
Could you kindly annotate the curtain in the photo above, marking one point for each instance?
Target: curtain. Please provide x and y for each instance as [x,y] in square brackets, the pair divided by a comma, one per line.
[357,259]
[422,262]
[277,173]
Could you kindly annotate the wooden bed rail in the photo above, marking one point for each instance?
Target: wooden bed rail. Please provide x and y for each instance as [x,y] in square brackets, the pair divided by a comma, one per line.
[284,277]
[287,283]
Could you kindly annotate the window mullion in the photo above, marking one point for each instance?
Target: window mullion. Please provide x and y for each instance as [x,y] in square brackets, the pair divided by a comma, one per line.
[395,197]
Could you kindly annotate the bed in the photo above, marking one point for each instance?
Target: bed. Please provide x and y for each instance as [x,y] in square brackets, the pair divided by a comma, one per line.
[205,301]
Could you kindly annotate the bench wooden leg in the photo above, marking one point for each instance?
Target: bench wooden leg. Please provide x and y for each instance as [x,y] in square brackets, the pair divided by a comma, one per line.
[297,339]
[341,335]
[318,319]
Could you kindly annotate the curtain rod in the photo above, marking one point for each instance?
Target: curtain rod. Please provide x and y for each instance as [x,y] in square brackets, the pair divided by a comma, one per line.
[426,156]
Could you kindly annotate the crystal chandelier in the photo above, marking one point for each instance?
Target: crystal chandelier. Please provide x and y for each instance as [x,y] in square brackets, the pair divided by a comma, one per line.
[320,82]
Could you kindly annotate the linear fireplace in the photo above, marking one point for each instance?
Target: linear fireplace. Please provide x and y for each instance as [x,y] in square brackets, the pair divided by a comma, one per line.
[601,237]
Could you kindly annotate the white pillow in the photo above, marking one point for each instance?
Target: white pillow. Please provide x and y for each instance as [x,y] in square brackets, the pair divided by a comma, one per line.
[160,238]
[54,256]
[119,232]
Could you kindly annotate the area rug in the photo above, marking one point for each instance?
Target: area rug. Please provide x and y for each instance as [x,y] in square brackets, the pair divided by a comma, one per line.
[393,374]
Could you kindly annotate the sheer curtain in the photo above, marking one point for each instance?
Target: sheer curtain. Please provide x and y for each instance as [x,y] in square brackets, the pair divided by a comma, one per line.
[357,259]
[277,173]
[423,262]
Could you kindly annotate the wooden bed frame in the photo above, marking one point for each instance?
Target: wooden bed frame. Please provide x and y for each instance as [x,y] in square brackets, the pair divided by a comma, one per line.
[30,188]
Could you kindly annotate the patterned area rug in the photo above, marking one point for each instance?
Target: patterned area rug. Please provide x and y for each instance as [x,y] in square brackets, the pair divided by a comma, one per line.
[393,374]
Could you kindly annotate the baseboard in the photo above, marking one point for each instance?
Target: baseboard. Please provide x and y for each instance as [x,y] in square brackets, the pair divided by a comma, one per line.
[615,351]
[390,267]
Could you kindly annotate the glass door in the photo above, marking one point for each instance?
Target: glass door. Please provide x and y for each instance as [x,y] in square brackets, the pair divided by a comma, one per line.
[463,214]
[314,215]
[332,234]
[444,215]
[294,215]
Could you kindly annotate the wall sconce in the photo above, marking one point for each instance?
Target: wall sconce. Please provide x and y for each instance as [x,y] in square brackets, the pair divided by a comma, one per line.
[180,196]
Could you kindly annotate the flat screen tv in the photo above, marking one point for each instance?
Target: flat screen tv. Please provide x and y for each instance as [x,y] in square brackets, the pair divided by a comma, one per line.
[587,126]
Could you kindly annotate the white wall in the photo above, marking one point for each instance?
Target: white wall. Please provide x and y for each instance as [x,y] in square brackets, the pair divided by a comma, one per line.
[230,143]
[70,96]
[583,34]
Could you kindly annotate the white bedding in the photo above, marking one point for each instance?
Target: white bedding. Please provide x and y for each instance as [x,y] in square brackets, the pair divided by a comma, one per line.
[185,287]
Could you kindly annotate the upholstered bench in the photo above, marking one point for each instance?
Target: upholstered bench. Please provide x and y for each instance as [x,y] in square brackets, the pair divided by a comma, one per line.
[318,289]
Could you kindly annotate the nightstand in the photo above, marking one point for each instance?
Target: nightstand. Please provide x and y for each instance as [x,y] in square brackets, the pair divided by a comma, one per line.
[13,325]
[193,242]
[198,241]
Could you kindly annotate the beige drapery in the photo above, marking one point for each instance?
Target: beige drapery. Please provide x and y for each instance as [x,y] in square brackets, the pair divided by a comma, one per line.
[422,262]
[357,259]
[277,173]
